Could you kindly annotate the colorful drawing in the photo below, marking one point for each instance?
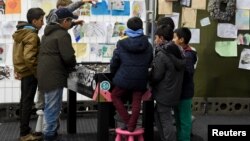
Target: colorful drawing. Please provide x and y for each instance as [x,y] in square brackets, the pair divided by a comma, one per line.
[101,8]
[95,53]
[81,51]
[85,9]
[138,8]
[243,39]
[46,5]
[95,29]
[78,32]
[242,19]
[116,4]
[2,7]
[107,51]
[125,12]
[13,7]
[119,29]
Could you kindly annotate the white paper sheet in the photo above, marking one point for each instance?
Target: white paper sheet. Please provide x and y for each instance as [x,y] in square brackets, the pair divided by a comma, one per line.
[205,21]
[244,62]
[226,30]
[195,39]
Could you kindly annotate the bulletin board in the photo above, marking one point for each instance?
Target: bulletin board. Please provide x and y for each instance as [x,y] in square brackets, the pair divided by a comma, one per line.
[216,76]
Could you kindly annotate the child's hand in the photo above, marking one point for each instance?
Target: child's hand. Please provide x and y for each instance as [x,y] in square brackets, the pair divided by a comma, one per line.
[17,76]
[79,22]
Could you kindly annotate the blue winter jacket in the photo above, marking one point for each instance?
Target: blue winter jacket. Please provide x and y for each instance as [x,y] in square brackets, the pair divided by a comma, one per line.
[130,62]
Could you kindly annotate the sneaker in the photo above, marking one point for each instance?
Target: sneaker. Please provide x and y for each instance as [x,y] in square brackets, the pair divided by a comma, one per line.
[30,137]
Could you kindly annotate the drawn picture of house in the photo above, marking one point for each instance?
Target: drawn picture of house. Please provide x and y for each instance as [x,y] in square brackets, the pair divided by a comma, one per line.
[2,7]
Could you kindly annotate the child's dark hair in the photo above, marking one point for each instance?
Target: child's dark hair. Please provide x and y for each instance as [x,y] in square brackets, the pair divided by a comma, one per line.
[165,31]
[166,21]
[184,33]
[134,23]
[34,13]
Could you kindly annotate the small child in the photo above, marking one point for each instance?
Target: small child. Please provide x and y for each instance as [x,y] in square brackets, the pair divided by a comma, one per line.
[183,111]
[166,81]
[129,64]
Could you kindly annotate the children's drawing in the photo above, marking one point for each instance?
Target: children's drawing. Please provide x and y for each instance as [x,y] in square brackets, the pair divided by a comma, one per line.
[125,12]
[81,51]
[47,5]
[119,29]
[2,7]
[95,29]
[244,62]
[5,72]
[101,8]
[13,7]
[85,9]
[7,29]
[242,19]
[243,39]
[138,8]
[78,32]
[95,53]
[116,4]
[226,30]
[107,51]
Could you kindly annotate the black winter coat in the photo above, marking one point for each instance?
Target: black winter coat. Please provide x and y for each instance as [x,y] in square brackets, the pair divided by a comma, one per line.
[56,58]
[130,62]
[167,75]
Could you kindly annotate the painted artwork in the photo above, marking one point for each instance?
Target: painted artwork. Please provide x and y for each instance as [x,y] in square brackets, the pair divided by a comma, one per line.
[165,7]
[85,9]
[242,19]
[101,8]
[81,51]
[78,32]
[243,39]
[95,29]
[46,5]
[116,4]
[119,29]
[107,51]
[138,8]
[13,7]
[125,12]
[95,53]
[188,18]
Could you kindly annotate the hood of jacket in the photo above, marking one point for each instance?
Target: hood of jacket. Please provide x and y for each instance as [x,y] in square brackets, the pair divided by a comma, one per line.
[175,54]
[51,28]
[136,44]
[23,28]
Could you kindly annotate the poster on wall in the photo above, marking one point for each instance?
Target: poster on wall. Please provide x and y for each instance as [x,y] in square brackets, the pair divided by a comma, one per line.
[242,19]
[244,62]
[13,7]
[138,8]
[82,52]
[46,5]
[119,29]
[107,51]
[7,28]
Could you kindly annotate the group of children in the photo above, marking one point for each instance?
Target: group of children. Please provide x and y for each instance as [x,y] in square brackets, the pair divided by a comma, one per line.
[46,64]
[170,78]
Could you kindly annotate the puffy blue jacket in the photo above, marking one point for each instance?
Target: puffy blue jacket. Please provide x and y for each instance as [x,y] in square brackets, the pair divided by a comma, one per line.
[130,62]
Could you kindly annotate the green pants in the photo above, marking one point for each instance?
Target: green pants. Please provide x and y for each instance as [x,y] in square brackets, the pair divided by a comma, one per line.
[183,113]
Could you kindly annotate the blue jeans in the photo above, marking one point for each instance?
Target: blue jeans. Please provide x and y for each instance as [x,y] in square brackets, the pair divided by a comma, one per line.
[53,104]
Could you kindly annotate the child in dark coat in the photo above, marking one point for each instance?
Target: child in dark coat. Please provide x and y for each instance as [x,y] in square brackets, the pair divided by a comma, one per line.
[166,80]
[129,64]
[183,111]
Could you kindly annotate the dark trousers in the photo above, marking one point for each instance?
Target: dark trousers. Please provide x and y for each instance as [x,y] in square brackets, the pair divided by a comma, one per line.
[130,121]
[28,91]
